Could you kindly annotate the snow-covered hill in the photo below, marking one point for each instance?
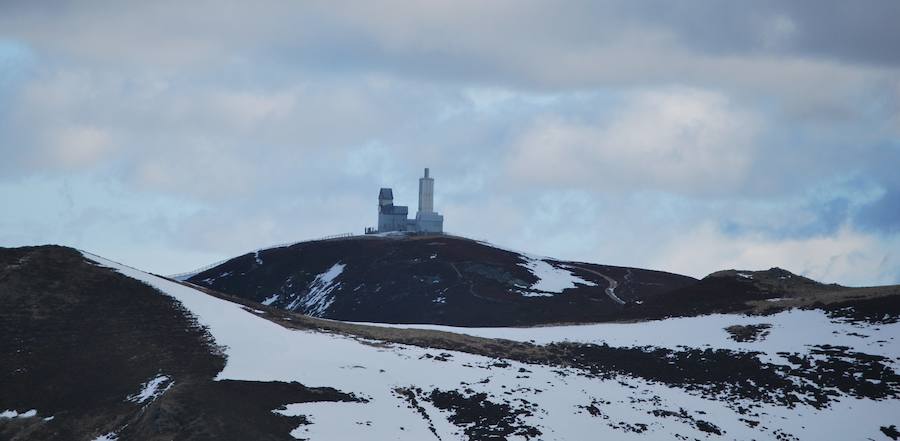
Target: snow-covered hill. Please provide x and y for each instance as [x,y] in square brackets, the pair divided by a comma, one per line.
[797,374]
[417,393]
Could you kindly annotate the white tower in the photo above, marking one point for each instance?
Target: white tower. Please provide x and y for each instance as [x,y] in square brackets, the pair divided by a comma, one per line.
[426,194]
[427,221]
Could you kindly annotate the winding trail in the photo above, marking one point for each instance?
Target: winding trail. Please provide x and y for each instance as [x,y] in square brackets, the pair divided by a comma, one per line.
[611,290]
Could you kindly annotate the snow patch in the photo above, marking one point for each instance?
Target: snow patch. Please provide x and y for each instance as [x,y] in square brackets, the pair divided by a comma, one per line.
[391,234]
[152,389]
[794,330]
[319,297]
[550,278]
[210,280]
[111,436]
[745,275]
[16,414]
[271,299]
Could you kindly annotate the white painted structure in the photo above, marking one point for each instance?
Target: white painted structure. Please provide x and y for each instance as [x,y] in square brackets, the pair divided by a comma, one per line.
[426,219]
[426,194]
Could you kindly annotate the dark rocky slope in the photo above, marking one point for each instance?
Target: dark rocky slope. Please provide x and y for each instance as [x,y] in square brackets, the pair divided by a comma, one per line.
[79,340]
[456,281]
[430,279]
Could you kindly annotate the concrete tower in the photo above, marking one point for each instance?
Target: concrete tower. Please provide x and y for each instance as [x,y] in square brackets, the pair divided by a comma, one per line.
[426,194]
[427,221]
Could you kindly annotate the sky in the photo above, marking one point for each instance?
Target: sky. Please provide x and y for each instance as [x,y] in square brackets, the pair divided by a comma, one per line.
[682,136]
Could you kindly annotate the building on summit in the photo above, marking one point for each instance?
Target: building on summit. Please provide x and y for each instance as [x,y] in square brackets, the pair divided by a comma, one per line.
[394,217]
[391,217]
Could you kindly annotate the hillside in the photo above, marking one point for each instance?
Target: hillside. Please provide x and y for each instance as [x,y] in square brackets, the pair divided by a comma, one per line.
[88,353]
[433,279]
[100,351]
[450,280]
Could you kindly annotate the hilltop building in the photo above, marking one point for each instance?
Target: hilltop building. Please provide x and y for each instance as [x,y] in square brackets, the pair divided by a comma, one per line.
[395,217]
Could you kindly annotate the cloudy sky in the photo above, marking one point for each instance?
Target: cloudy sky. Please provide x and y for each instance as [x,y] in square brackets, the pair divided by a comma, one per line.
[684,136]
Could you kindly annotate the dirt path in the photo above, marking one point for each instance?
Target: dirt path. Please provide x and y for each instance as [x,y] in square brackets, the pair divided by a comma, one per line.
[611,290]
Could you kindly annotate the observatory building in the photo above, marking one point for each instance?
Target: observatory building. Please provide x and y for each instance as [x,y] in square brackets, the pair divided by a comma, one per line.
[394,217]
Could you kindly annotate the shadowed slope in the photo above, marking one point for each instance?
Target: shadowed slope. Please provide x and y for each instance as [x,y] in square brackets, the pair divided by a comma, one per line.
[82,342]
[432,279]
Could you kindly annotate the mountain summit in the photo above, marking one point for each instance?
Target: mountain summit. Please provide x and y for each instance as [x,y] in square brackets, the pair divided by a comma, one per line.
[437,279]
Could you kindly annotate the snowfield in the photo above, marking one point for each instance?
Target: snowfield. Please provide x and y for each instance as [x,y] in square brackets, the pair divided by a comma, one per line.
[792,331]
[319,297]
[403,385]
[551,280]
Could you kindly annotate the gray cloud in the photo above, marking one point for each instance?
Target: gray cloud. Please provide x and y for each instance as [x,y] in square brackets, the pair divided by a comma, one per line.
[833,29]
[882,215]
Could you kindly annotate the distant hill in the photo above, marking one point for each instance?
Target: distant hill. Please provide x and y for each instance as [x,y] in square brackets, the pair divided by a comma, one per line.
[435,279]
[449,280]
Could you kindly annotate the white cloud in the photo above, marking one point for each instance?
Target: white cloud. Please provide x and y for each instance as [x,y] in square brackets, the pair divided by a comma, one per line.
[248,110]
[681,140]
[74,147]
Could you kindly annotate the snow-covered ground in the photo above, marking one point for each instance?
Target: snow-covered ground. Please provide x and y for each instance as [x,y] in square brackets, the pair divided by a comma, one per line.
[319,297]
[551,280]
[258,349]
[15,414]
[792,331]
[152,389]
